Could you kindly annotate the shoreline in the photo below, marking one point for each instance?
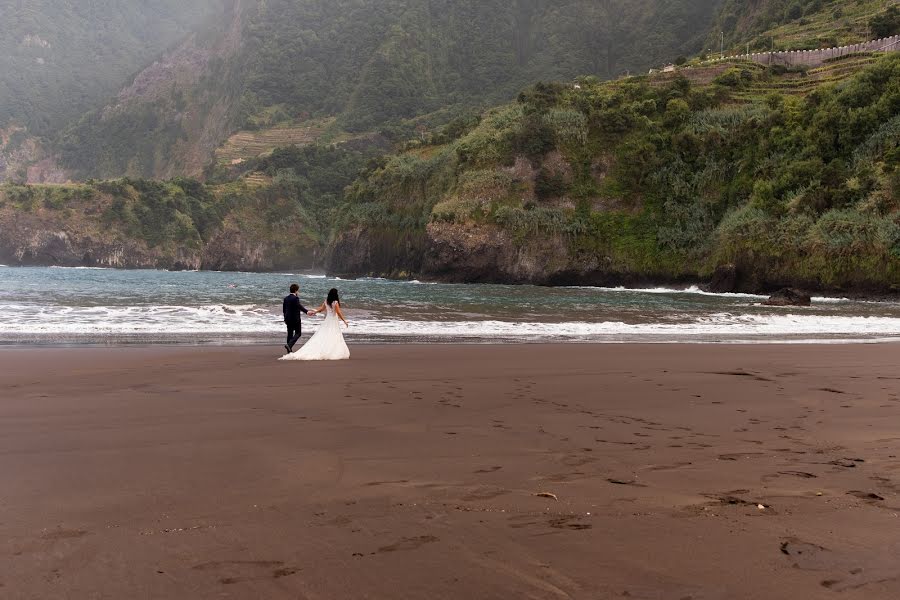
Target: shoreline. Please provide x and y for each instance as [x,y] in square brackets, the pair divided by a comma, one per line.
[272,342]
[761,472]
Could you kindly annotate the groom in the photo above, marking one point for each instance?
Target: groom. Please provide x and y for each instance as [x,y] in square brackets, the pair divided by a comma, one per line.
[292,310]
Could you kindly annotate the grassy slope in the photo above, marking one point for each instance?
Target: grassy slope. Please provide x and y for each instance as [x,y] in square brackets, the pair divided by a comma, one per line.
[795,24]
[670,181]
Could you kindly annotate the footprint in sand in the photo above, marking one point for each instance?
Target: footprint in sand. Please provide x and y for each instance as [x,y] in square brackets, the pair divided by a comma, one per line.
[847,463]
[625,481]
[484,493]
[64,534]
[867,496]
[378,483]
[413,543]
[733,498]
[740,455]
[801,474]
[488,470]
[521,521]
[569,522]
[807,556]
[672,467]
[237,571]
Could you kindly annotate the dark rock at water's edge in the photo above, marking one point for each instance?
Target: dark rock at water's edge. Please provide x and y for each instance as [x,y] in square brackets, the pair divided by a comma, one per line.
[724,280]
[788,297]
[468,253]
[46,238]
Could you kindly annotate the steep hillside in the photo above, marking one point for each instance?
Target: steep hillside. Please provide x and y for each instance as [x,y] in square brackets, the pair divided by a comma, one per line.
[373,65]
[60,58]
[171,117]
[802,24]
[645,180]
[183,224]
[143,224]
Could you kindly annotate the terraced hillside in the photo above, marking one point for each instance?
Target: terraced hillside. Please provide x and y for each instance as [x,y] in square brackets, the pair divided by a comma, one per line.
[798,24]
[753,81]
[802,82]
[256,179]
[246,145]
[838,23]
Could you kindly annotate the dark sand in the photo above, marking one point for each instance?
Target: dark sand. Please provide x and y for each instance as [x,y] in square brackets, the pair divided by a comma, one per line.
[411,472]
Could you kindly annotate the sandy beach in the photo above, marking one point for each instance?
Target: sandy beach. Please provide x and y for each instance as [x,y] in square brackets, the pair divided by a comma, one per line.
[668,472]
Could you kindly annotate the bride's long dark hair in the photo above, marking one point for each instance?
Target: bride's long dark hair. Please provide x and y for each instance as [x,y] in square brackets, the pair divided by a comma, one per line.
[332,296]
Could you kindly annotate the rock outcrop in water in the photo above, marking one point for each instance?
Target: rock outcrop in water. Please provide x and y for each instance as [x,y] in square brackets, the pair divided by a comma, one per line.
[788,297]
[724,280]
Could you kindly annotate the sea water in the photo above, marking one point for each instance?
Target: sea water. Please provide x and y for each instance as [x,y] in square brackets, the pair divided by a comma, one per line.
[106,306]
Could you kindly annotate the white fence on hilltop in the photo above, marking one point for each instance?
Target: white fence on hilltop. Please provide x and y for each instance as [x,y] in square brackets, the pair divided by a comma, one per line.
[814,58]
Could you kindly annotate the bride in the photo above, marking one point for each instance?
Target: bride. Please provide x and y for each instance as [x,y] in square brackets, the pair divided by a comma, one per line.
[328,342]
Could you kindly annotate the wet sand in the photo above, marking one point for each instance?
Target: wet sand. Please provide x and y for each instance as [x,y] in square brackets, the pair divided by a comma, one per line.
[679,472]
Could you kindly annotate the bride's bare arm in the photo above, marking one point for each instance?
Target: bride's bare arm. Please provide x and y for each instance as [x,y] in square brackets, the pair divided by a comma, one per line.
[340,313]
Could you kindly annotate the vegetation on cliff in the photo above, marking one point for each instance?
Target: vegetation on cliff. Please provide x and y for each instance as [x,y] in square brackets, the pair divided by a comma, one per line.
[183,223]
[801,24]
[390,65]
[660,182]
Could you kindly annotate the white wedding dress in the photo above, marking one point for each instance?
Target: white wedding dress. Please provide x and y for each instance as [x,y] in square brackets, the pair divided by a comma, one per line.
[326,344]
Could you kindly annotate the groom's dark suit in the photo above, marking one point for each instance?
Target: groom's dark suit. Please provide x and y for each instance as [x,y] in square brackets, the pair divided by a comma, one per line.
[292,310]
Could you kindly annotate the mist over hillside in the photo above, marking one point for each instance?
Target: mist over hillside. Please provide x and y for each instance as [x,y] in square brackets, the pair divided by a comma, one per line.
[373,66]
[60,58]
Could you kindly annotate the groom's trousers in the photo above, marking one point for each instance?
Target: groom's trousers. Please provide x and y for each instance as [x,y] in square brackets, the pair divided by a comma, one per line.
[293,333]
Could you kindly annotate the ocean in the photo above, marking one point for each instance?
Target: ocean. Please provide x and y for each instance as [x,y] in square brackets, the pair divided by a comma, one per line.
[81,306]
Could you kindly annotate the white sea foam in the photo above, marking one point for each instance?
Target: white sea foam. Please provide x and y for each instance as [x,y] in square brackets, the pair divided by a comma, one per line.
[699,292]
[24,320]
[726,325]
[668,291]
[80,268]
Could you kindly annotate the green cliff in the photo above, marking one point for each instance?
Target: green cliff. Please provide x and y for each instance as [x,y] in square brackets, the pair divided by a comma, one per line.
[650,179]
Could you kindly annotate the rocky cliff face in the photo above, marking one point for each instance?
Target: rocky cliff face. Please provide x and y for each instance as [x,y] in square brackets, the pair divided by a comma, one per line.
[468,253]
[53,238]
[34,239]
[23,158]
[487,254]
[170,118]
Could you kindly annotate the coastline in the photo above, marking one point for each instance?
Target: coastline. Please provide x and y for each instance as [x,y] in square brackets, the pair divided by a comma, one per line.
[751,471]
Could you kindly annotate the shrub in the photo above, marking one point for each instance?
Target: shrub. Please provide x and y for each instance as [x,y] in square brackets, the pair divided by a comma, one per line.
[569,126]
[794,11]
[677,112]
[734,77]
[523,223]
[887,23]
[534,139]
[549,185]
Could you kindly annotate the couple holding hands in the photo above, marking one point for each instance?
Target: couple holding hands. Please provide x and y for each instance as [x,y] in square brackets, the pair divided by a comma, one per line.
[328,342]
